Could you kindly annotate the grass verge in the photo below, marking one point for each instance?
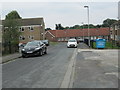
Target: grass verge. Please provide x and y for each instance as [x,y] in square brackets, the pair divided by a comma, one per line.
[53,43]
[108,45]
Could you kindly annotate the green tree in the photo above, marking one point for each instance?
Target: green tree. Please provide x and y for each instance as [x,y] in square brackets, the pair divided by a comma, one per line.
[59,27]
[108,22]
[13,15]
[11,30]
[48,29]
[56,27]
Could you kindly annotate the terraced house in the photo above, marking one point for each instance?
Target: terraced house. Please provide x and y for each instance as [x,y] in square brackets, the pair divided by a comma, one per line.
[31,29]
[64,35]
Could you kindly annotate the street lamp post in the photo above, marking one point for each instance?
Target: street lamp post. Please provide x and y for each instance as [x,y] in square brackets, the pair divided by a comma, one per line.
[83,30]
[88,25]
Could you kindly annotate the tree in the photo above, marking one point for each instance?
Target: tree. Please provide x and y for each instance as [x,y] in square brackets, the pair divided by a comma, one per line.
[59,27]
[56,27]
[13,15]
[11,30]
[48,29]
[108,22]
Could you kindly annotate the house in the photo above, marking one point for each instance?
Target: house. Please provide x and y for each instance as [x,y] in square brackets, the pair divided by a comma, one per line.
[31,29]
[64,35]
[115,33]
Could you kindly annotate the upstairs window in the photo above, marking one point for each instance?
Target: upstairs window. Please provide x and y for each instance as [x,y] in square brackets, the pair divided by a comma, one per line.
[22,38]
[31,28]
[21,29]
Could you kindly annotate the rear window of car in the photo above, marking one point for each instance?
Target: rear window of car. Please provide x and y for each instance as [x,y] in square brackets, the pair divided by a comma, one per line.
[72,40]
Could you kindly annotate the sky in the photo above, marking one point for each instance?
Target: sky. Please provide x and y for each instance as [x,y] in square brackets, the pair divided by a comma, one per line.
[67,13]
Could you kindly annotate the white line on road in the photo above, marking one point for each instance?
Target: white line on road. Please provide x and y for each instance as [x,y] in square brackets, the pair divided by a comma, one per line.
[68,78]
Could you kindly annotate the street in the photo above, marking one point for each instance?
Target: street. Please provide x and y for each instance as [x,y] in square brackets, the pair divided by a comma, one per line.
[38,72]
[92,69]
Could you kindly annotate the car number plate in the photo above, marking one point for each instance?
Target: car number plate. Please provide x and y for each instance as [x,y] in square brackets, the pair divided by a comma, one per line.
[29,52]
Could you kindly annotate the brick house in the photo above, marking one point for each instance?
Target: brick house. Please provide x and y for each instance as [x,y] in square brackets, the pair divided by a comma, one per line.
[115,33]
[64,35]
[31,29]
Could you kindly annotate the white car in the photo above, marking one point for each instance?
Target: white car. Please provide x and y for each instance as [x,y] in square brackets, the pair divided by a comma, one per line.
[72,43]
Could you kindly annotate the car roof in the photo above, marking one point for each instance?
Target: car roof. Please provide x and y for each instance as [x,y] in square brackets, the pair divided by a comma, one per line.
[72,39]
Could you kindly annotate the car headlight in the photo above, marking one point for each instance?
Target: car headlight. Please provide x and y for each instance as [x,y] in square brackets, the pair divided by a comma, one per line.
[23,49]
[68,44]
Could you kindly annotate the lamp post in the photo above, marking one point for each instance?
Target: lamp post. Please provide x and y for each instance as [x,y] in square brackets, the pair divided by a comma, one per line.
[83,31]
[88,25]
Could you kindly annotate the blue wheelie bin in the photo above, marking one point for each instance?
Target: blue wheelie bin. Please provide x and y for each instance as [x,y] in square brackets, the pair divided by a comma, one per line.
[100,43]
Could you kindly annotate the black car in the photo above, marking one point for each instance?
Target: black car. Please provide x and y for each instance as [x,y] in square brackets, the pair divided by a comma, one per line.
[34,48]
[46,42]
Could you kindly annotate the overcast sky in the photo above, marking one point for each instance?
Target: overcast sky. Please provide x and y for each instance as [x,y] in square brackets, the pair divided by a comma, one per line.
[66,13]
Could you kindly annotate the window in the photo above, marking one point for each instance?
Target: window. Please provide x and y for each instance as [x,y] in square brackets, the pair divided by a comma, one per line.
[22,38]
[21,29]
[31,28]
[31,37]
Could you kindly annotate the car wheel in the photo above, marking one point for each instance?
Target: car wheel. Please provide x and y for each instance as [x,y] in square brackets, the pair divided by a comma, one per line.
[40,53]
[45,51]
[24,56]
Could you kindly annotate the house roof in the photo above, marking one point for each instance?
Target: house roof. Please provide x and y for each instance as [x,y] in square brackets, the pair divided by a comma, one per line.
[32,21]
[29,21]
[80,32]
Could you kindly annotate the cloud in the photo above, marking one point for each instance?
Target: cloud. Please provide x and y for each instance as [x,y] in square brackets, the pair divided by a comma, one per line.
[66,13]
[59,0]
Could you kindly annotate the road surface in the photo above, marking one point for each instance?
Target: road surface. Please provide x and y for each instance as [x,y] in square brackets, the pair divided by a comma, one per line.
[38,72]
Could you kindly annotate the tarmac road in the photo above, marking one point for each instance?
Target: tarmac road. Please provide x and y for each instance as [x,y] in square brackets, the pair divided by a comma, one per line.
[91,69]
[38,72]
[96,69]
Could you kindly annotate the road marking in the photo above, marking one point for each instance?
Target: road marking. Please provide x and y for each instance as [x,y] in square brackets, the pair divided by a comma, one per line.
[80,50]
[69,76]
[113,73]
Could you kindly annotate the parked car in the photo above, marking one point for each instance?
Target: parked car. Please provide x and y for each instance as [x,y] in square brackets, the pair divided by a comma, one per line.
[21,46]
[72,43]
[34,48]
[46,42]
[80,40]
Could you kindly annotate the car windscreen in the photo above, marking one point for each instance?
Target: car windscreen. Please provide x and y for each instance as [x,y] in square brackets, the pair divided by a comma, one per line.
[32,44]
[72,40]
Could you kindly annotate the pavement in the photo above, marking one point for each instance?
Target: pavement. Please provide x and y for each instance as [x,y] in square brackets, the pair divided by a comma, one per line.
[10,57]
[96,69]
